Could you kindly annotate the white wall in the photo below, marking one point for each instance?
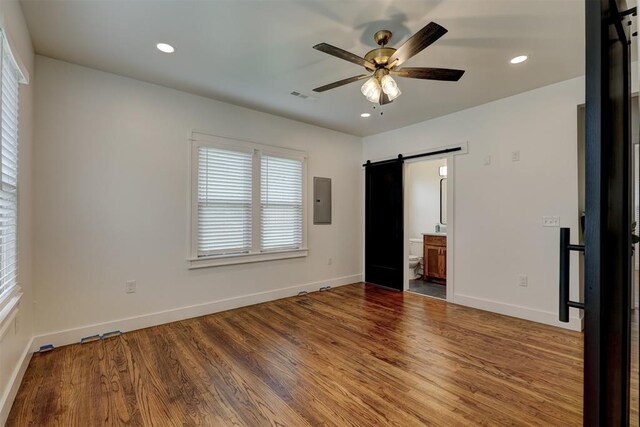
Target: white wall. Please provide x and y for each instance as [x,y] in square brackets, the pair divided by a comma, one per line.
[498,208]
[423,189]
[112,194]
[14,354]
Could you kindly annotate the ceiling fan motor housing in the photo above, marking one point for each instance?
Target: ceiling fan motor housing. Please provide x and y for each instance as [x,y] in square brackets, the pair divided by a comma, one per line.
[380,56]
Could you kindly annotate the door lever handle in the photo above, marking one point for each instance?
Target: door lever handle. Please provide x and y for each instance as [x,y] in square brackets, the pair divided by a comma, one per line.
[565,251]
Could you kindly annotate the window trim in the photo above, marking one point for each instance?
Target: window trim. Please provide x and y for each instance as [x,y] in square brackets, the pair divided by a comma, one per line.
[256,255]
[10,297]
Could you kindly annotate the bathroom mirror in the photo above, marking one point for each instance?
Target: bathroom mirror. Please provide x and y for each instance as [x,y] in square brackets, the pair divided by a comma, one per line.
[443,201]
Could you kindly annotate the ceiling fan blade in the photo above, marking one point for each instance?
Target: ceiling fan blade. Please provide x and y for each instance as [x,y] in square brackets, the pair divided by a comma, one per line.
[384,99]
[340,83]
[343,54]
[445,74]
[417,42]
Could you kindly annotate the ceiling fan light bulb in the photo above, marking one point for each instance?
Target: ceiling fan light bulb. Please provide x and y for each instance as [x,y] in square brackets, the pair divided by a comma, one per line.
[371,89]
[394,95]
[374,97]
[390,87]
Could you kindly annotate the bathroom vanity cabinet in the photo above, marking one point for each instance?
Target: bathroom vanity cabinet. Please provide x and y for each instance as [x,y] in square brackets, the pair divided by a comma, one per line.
[435,258]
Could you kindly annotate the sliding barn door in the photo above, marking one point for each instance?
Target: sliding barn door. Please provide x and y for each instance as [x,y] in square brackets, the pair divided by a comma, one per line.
[384,231]
[608,215]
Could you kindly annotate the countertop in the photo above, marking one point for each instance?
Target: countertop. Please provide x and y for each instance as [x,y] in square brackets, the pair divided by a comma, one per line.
[435,234]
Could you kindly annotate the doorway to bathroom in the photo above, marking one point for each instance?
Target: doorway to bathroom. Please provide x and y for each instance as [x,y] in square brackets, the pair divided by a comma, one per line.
[427,192]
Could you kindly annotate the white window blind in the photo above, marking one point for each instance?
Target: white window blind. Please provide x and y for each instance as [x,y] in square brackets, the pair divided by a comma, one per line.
[280,203]
[9,87]
[224,201]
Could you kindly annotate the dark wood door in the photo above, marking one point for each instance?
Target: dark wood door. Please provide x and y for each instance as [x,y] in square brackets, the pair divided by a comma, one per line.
[384,230]
[608,215]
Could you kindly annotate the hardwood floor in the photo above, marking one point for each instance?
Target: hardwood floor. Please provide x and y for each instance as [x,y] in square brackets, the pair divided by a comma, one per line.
[356,355]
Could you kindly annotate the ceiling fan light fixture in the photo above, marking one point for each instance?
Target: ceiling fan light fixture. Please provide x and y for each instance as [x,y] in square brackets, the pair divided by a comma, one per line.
[390,87]
[371,89]
[373,98]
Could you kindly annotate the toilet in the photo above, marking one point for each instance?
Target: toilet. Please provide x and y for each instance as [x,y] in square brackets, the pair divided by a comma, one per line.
[415,257]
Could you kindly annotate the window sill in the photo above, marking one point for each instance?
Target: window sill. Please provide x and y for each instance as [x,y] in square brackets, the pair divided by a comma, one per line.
[216,261]
[9,304]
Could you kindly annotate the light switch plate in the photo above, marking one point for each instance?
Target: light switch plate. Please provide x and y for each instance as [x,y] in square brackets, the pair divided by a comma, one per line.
[487,160]
[551,221]
[515,156]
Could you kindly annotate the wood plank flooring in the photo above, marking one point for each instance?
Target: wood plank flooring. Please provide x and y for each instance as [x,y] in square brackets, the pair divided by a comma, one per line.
[357,355]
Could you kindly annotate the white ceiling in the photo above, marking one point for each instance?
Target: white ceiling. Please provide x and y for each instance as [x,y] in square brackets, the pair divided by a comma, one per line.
[254,53]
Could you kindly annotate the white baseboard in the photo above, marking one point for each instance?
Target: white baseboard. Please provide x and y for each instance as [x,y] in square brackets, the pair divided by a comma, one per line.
[70,336]
[14,383]
[540,316]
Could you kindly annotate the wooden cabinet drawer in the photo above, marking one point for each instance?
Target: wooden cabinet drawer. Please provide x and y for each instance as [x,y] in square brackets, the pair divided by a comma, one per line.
[435,240]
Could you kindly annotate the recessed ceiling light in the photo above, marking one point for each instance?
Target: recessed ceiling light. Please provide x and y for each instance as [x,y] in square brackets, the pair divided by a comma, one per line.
[519,59]
[164,47]
[365,115]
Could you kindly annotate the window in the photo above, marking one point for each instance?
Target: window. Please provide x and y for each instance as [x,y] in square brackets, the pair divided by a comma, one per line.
[280,203]
[10,79]
[248,202]
[224,201]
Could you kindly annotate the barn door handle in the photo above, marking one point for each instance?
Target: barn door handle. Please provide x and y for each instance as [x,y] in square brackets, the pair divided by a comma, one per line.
[565,250]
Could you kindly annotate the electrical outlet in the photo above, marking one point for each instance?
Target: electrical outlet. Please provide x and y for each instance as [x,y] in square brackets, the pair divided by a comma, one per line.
[523,280]
[130,286]
[551,221]
[515,156]
[329,261]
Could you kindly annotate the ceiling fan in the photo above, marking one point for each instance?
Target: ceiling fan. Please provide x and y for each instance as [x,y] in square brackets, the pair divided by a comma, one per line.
[384,61]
